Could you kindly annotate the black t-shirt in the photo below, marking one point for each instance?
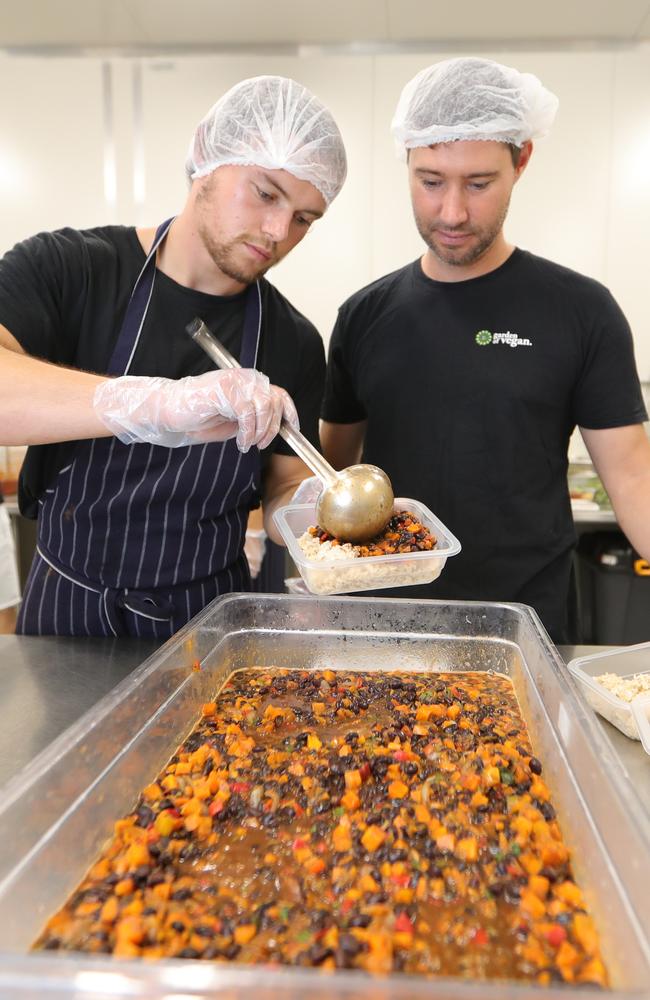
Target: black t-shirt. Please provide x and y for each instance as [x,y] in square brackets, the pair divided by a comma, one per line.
[471,391]
[63,296]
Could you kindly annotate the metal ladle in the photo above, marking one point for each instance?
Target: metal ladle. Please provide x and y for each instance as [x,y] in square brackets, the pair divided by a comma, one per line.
[356,503]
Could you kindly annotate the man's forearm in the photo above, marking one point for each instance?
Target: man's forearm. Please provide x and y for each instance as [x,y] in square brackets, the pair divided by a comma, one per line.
[272,504]
[41,403]
[281,481]
[621,456]
[632,508]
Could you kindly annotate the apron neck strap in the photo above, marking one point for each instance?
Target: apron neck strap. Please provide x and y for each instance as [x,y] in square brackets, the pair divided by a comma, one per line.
[136,310]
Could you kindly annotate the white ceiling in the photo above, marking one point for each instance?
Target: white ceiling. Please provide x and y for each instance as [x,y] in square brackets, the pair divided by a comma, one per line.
[217,24]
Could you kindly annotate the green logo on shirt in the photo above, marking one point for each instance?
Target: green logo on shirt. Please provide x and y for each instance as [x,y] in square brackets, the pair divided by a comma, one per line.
[485,337]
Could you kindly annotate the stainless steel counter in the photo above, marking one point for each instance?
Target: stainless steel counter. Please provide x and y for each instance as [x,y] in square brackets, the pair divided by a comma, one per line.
[48,683]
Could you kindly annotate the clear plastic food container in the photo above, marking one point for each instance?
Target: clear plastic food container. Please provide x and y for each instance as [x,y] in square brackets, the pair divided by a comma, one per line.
[339,576]
[631,717]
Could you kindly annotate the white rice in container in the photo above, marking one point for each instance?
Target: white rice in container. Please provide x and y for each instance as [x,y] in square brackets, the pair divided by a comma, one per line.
[355,572]
[625,688]
[321,551]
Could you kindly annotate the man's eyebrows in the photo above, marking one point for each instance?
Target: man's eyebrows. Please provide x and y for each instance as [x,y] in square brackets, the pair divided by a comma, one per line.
[437,173]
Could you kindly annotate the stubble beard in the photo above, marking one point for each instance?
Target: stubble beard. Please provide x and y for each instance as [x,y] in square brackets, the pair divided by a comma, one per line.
[224,255]
[461,258]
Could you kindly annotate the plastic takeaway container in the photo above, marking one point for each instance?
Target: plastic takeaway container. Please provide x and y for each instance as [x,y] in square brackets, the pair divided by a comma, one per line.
[345,576]
[631,717]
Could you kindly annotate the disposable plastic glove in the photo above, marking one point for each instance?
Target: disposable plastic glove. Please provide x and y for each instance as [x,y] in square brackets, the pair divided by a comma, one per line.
[308,491]
[254,546]
[215,406]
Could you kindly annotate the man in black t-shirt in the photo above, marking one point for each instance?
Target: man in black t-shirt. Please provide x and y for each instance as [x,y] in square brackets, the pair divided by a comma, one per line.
[463,374]
[152,463]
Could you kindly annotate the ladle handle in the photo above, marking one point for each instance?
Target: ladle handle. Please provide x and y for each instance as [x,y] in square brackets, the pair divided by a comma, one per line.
[305,450]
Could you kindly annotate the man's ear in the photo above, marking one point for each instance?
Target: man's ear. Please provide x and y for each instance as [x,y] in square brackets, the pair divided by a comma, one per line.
[524,158]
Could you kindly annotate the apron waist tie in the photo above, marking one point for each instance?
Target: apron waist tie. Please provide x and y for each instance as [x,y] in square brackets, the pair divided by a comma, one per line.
[145,603]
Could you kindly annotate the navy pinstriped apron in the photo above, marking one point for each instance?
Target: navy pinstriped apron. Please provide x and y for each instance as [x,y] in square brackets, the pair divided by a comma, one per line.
[136,539]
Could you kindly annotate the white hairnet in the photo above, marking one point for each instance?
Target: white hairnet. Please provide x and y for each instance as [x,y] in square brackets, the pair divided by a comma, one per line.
[272,122]
[471,98]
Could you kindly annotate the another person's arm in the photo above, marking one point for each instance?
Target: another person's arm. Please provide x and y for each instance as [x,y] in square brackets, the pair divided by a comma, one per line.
[283,477]
[621,457]
[342,443]
[255,541]
[343,424]
[9,583]
[283,470]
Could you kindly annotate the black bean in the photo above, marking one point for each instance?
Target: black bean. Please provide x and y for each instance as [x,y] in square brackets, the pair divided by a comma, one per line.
[359,920]
[317,954]
[145,816]
[181,894]
[323,805]
[178,926]
[535,765]
[188,953]
[349,944]
[512,893]
[319,918]
[204,931]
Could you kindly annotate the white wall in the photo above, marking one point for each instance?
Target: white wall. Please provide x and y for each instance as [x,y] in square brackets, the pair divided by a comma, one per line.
[85,142]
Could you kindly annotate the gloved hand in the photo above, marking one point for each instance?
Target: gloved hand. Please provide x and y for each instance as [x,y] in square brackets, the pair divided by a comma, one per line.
[254,546]
[215,406]
[308,491]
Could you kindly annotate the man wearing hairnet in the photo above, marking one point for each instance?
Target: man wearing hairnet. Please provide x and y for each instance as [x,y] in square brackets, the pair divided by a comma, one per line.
[152,462]
[464,373]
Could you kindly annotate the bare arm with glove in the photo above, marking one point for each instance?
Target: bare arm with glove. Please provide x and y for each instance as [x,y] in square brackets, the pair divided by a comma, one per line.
[66,404]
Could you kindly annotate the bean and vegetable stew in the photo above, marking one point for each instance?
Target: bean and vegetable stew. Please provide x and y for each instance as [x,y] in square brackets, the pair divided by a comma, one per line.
[376,821]
[403,533]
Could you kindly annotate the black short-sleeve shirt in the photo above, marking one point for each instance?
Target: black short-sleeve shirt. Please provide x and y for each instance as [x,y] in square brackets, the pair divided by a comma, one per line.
[63,296]
[471,391]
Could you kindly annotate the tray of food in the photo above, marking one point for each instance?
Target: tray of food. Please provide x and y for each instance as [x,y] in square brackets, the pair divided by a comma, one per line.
[333,797]
[616,683]
[412,549]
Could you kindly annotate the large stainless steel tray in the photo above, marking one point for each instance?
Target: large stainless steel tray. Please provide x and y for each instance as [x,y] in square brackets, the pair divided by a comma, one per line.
[55,816]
